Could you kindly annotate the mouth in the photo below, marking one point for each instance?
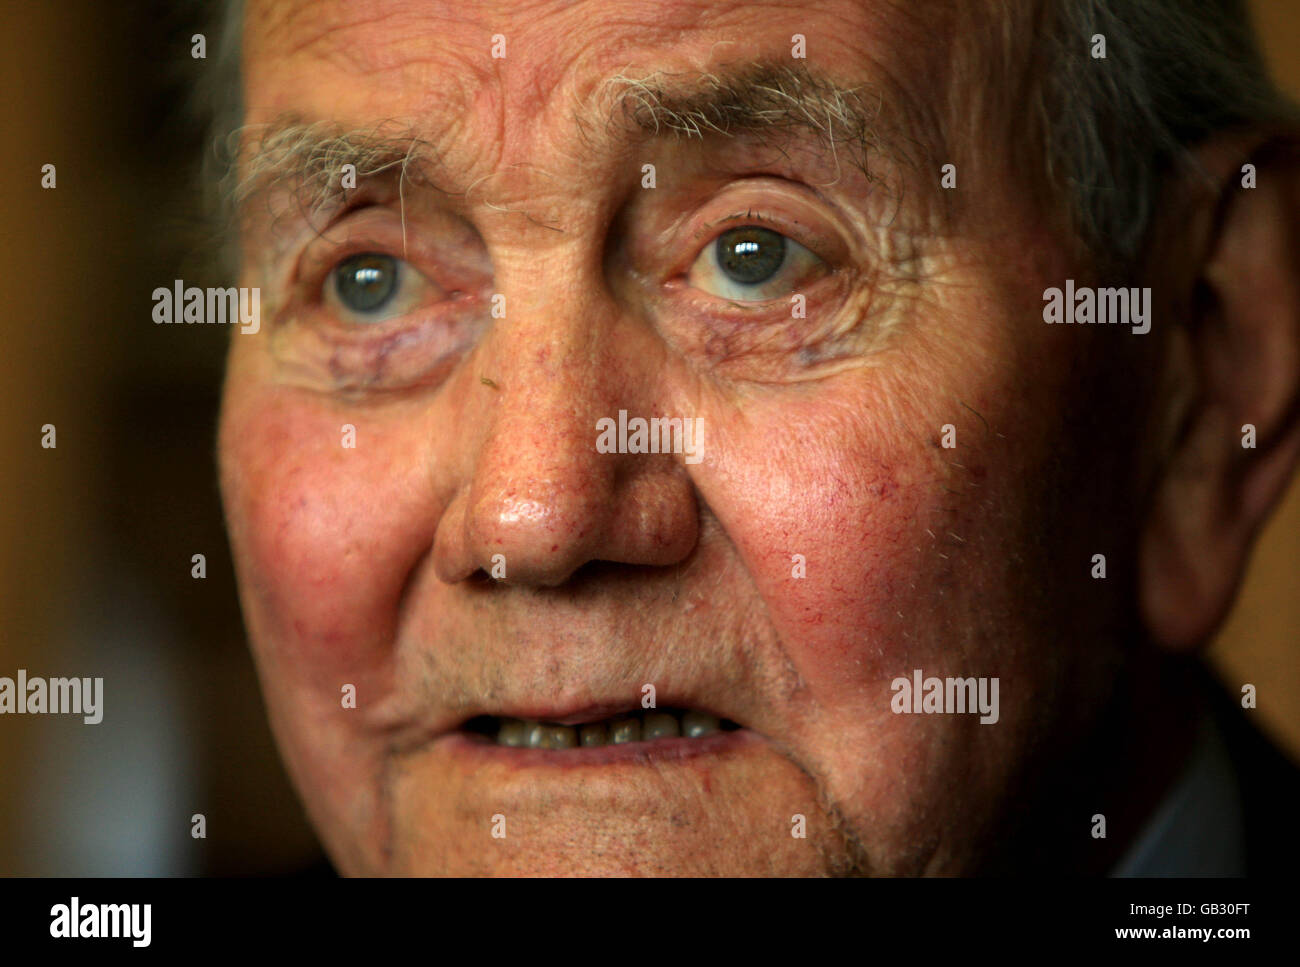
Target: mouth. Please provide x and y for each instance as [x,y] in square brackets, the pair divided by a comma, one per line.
[635,728]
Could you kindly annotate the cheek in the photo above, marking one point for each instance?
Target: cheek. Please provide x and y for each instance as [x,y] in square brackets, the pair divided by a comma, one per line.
[324,535]
[884,521]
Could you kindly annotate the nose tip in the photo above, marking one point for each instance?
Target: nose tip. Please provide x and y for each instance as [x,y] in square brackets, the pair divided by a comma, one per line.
[539,532]
[543,530]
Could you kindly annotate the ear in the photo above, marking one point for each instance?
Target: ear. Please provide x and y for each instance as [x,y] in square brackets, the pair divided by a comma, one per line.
[1235,361]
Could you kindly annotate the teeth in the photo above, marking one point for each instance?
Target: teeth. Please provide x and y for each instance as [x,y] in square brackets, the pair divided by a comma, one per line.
[695,724]
[534,734]
[659,725]
[625,730]
[512,733]
[560,737]
[630,727]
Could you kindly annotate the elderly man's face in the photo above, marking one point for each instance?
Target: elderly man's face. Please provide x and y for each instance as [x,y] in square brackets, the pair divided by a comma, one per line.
[826,310]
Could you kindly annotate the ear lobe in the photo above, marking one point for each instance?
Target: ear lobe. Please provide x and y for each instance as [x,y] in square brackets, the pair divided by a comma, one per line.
[1241,351]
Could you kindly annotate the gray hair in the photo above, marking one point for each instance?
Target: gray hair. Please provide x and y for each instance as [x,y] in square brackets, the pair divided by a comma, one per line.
[1175,72]
[1108,131]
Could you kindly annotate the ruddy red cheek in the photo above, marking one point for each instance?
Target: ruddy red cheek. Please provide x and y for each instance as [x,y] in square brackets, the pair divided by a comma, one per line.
[828,530]
[325,533]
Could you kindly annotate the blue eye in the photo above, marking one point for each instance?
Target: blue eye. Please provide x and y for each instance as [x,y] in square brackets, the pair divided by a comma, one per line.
[750,255]
[371,287]
[366,282]
[752,264]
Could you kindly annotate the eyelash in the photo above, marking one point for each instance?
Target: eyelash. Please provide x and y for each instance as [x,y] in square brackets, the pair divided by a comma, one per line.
[749,218]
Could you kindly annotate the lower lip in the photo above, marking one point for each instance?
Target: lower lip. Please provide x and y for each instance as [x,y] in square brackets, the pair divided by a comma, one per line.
[656,752]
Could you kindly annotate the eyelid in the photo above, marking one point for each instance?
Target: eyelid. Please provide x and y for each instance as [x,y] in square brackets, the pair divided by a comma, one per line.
[440,247]
[366,228]
[749,216]
[315,267]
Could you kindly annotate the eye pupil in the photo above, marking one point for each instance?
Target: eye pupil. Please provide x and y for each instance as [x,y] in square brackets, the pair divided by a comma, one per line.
[750,255]
[366,282]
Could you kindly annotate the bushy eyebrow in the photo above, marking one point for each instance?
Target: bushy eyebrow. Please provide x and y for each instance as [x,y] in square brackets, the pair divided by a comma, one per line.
[306,159]
[773,103]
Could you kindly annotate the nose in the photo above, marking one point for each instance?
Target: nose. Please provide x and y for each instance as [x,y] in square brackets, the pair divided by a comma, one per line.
[538,499]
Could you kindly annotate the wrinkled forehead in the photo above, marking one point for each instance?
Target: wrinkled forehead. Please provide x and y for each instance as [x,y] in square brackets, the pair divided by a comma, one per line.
[396,57]
[508,87]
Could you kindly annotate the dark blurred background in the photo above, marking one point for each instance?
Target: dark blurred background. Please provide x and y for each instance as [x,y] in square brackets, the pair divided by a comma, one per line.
[97,535]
